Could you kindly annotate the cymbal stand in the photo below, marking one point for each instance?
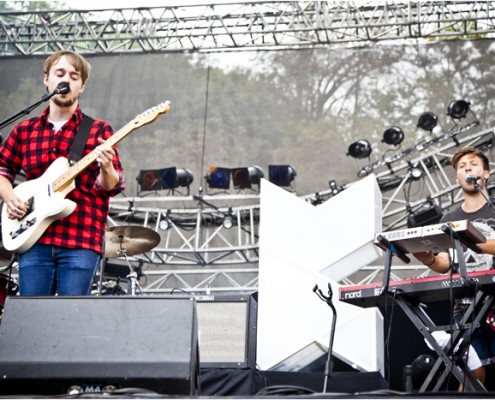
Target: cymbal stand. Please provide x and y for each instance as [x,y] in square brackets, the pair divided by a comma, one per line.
[132,274]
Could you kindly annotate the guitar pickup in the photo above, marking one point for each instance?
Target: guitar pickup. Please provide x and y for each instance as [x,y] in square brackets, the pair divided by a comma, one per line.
[22,228]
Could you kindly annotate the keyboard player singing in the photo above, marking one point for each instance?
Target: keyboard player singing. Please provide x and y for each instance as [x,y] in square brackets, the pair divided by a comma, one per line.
[471,165]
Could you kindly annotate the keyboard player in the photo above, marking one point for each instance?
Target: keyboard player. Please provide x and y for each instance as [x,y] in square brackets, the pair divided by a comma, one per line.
[472,172]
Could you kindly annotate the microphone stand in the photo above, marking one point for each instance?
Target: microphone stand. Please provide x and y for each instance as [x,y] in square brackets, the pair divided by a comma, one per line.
[478,188]
[28,109]
[328,300]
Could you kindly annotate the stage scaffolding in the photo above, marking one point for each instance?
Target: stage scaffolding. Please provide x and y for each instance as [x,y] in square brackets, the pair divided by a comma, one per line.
[242,25]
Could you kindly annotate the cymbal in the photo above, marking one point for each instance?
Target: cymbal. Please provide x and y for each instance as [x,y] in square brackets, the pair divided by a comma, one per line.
[133,239]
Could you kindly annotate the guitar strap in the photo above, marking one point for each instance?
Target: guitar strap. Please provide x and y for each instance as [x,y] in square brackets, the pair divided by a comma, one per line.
[80,139]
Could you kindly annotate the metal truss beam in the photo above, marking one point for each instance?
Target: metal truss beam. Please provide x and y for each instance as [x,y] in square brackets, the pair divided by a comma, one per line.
[208,243]
[242,25]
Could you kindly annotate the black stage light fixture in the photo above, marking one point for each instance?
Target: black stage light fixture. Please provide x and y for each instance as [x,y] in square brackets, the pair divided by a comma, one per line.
[281,175]
[245,177]
[426,217]
[393,136]
[218,178]
[149,179]
[359,149]
[172,178]
[334,188]
[427,121]
[164,178]
[458,109]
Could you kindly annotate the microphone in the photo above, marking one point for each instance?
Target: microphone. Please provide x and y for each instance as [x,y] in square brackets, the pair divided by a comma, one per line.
[62,88]
[472,178]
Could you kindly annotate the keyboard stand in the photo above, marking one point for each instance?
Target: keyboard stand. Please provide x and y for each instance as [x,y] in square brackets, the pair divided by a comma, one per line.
[451,361]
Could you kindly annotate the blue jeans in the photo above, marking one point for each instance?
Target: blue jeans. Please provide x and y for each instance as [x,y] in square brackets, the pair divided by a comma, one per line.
[48,270]
[483,341]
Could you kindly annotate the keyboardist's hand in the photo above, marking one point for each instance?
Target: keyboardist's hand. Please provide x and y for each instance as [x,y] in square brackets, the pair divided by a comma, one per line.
[425,257]
[436,262]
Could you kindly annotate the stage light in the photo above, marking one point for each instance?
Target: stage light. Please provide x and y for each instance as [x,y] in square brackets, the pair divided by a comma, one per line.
[228,220]
[458,109]
[149,179]
[166,222]
[218,178]
[172,178]
[427,121]
[281,175]
[359,149]
[415,173]
[426,217]
[164,178]
[243,178]
[393,136]
[334,188]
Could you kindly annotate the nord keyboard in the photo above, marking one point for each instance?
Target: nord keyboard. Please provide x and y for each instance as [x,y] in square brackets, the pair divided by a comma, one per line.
[420,290]
[431,237]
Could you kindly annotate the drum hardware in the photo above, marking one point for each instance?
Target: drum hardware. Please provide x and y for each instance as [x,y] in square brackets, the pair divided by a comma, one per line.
[128,241]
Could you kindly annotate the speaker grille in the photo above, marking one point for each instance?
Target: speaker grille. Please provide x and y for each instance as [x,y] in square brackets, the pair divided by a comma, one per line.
[226,330]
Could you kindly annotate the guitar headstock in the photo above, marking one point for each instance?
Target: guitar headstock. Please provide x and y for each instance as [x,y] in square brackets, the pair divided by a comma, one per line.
[151,114]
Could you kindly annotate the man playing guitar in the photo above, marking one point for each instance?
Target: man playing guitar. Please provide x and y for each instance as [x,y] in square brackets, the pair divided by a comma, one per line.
[66,252]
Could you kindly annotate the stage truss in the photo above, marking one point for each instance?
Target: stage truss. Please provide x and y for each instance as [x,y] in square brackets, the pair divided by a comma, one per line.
[242,25]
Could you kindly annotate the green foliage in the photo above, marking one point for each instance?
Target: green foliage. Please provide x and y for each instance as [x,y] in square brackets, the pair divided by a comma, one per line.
[26,5]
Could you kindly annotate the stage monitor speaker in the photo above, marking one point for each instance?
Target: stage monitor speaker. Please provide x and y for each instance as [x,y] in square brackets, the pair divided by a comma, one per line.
[227,330]
[57,345]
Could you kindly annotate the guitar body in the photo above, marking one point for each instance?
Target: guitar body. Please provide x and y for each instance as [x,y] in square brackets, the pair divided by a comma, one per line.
[45,206]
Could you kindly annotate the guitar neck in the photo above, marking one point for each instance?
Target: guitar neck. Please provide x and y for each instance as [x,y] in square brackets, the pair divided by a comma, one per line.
[66,179]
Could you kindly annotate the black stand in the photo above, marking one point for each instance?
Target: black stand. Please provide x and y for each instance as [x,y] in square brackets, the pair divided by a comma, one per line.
[477,187]
[391,250]
[451,360]
[329,364]
[27,110]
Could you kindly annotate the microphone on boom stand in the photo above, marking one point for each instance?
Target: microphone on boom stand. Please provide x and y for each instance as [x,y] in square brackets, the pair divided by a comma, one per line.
[62,88]
[474,180]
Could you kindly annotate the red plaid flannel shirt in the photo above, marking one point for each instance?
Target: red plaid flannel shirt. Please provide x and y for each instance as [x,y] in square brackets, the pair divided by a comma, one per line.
[33,145]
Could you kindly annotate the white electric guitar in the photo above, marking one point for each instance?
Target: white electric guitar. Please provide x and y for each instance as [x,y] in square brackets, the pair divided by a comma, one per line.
[45,196]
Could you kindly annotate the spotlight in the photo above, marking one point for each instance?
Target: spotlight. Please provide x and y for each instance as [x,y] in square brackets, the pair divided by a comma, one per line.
[243,178]
[281,175]
[415,173]
[165,224]
[165,178]
[149,179]
[218,178]
[427,121]
[458,109]
[334,188]
[172,178]
[359,149]
[393,136]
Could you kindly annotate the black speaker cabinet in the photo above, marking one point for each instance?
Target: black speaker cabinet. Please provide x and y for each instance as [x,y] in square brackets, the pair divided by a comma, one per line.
[56,345]
[227,330]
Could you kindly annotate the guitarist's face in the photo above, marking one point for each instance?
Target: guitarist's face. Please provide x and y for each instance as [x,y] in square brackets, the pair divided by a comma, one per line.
[64,71]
